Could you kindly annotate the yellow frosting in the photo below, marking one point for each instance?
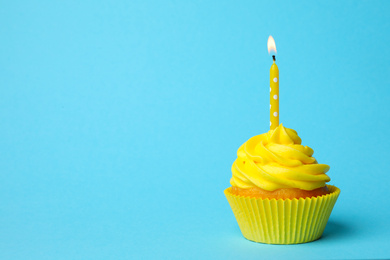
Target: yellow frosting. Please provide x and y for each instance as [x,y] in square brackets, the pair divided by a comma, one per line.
[276,160]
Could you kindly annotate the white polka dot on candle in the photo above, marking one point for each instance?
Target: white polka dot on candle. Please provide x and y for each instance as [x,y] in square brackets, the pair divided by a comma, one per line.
[275,113]
[270,123]
[275,96]
[275,79]
[270,89]
[269,106]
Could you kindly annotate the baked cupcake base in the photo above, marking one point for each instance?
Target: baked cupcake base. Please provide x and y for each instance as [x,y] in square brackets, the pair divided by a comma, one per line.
[282,221]
[290,193]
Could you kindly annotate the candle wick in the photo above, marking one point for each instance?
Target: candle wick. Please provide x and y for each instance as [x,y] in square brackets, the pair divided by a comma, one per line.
[273,57]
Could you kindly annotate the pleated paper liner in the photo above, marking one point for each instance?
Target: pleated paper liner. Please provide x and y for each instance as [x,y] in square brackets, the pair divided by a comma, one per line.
[283,221]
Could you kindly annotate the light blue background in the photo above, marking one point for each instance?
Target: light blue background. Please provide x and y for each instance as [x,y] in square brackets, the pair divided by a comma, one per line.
[120,121]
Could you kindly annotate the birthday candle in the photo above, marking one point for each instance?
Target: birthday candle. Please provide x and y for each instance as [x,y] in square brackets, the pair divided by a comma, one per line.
[274,87]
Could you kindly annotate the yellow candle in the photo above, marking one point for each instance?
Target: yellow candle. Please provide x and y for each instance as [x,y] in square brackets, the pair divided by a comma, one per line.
[274,87]
[274,96]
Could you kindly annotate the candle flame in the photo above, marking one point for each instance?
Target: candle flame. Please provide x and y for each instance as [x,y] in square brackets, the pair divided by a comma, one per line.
[271,44]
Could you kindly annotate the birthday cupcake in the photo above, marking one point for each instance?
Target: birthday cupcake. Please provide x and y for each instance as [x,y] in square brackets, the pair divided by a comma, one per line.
[279,193]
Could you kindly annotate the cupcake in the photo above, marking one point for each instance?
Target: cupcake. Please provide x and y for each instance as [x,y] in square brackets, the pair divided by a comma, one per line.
[279,193]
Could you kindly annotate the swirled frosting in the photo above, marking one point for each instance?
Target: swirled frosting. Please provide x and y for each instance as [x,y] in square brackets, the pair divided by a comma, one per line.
[276,160]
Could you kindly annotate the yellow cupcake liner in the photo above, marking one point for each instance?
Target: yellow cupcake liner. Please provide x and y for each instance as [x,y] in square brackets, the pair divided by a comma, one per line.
[282,221]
